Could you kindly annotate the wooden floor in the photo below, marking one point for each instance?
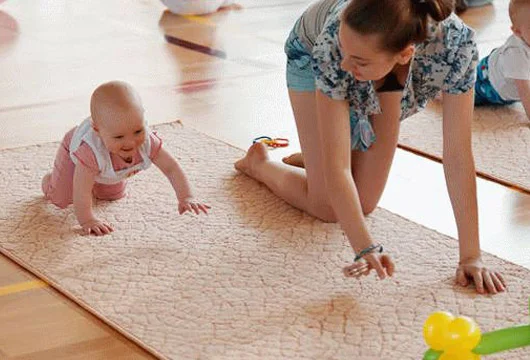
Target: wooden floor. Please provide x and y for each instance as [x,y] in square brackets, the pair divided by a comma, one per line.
[53,53]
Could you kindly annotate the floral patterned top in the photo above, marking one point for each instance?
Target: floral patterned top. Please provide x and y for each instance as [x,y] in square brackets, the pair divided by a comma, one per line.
[445,61]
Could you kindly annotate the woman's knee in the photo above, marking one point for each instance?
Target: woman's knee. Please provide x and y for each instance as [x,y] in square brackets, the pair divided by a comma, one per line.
[325,216]
[369,205]
[323,211]
[369,195]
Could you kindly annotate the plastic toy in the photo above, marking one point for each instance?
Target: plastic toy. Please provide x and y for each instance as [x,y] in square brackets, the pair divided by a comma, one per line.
[270,142]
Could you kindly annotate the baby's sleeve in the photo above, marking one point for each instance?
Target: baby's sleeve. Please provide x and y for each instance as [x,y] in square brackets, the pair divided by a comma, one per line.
[462,58]
[516,64]
[156,145]
[85,156]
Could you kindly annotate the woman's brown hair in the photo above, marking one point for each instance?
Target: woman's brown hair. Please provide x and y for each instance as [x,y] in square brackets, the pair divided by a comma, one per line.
[399,22]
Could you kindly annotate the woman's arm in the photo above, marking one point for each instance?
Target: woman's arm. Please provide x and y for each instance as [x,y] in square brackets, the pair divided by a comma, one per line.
[334,128]
[459,168]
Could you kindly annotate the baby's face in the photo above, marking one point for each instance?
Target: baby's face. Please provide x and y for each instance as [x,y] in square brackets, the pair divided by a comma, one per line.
[124,134]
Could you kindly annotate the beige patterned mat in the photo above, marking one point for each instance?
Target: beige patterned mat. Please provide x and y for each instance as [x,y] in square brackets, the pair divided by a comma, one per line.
[501,140]
[256,279]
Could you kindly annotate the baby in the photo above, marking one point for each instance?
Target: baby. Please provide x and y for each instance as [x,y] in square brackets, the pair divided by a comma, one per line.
[96,158]
[503,76]
[199,7]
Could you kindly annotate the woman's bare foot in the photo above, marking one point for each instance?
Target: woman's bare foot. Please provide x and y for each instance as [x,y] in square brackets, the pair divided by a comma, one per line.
[295,159]
[255,155]
[45,183]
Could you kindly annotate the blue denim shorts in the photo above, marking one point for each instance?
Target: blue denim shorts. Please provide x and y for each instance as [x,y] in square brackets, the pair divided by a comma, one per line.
[485,93]
[301,77]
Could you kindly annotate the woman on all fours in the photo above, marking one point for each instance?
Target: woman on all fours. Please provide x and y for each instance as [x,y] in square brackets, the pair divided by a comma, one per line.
[354,70]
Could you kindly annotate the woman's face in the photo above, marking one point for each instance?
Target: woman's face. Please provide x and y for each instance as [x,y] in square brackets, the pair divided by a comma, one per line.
[362,57]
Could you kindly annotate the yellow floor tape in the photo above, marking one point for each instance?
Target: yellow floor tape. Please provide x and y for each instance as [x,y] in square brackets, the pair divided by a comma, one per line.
[23,286]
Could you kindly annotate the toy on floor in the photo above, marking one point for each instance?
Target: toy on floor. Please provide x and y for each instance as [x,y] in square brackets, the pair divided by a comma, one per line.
[460,338]
[270,142]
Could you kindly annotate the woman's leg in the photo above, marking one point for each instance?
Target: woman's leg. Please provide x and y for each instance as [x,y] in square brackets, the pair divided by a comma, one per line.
[371,168]
[304,189]
[295,159]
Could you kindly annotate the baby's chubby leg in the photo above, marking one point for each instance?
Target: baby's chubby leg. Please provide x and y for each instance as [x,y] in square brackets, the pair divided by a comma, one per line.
[57,186]
[45,184]
[110,192]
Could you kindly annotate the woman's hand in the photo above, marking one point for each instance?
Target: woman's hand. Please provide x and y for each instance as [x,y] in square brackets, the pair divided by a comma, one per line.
[486,280]
[382,264]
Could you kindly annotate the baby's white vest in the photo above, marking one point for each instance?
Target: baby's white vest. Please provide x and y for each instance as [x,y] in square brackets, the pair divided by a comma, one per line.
[107,174]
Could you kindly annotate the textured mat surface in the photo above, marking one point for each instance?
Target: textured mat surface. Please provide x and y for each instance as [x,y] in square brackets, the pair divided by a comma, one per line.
[501,140]
[256,279]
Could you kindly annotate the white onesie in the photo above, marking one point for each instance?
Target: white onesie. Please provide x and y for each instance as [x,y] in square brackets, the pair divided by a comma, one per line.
[507,63]
[85,133]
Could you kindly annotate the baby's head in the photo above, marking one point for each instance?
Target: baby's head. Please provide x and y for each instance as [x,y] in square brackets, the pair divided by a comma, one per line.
[118,117]
[520,16]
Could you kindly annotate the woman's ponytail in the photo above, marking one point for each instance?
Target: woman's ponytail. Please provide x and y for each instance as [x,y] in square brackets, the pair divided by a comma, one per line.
[438,10]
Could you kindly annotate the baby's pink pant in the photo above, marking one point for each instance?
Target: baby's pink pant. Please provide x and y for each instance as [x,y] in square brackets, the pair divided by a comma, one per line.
[59,187]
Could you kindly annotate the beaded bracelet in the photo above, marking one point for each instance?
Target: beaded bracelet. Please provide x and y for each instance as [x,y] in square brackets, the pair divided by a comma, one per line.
[368,250]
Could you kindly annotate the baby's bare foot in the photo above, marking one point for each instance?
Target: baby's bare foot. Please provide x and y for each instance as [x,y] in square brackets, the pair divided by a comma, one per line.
[295,159]
[45,184]
[256,154]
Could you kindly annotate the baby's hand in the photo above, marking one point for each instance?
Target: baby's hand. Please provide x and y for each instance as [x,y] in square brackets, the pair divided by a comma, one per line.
[190,204]
[97,227]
